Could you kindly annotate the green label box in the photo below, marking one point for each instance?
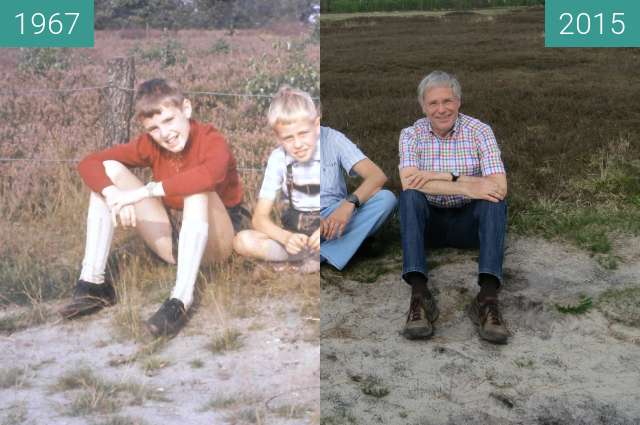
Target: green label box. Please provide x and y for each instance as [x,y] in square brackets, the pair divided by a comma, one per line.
[46,23]
[592,23]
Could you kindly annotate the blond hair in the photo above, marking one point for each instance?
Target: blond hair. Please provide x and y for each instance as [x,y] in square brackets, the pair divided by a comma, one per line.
[290,104]
[153,94]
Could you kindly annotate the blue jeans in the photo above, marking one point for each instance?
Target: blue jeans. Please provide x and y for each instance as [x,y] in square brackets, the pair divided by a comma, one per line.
[364,222]
[479,224]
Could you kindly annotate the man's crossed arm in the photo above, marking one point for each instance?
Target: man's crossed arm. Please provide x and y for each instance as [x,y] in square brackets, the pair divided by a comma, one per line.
[491,188]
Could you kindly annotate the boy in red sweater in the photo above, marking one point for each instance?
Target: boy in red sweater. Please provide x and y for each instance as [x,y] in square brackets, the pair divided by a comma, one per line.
[193,171]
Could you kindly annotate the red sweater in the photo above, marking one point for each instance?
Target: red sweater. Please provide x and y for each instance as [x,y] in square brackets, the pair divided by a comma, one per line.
[205,165]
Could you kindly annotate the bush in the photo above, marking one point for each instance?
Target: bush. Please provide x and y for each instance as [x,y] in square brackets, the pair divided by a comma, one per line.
[297,72]
[221,46]
[169,53]
[40,60]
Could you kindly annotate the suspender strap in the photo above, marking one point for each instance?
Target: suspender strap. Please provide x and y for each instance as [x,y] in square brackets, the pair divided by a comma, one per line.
[309,189]
[290,183]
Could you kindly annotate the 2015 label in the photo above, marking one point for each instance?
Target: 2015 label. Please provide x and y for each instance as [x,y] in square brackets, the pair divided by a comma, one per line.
[583,23]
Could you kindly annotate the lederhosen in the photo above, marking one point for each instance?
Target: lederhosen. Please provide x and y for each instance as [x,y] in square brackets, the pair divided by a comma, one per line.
[294,220]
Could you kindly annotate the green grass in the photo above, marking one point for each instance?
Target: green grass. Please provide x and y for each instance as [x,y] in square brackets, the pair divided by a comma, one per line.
[583,306]
[621,305]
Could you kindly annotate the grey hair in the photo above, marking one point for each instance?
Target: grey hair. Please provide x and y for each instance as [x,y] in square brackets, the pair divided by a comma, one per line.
[438,79]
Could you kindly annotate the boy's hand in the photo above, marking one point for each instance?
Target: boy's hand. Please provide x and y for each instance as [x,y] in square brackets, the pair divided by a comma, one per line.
[117,199]
[333,226]
[314,241]
[127,216]
[296,242]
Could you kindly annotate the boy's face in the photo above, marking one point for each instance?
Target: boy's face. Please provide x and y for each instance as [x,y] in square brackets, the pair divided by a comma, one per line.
[299,138]
[170,128]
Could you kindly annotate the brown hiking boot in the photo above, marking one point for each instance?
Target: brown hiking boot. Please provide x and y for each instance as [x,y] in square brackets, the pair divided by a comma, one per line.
[486,315]
[422,313]
[89,298]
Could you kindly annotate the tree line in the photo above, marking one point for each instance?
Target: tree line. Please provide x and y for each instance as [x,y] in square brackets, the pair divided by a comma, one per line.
[176,14]
[351,6]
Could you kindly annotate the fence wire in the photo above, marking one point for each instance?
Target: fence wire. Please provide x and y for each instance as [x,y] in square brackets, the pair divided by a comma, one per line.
[75,161]
[79,89]
[108,86]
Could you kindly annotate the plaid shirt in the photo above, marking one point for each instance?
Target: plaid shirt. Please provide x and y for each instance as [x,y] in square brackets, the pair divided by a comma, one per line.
[470,149]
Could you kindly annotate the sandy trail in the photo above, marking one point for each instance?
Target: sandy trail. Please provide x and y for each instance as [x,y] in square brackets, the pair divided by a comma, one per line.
[272,378]
[557,369]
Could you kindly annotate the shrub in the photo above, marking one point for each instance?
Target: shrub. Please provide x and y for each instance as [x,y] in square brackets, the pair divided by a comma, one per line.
[168,53]
[40,60]
[297,72]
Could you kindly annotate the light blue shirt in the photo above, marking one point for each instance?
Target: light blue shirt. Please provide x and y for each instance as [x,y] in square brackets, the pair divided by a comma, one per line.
[338,155]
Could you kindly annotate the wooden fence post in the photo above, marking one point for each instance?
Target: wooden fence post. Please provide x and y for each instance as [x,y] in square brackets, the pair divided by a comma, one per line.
[121,75]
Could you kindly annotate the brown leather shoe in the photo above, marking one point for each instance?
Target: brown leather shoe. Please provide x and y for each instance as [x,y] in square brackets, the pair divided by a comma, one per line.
[486,315]
[422,313]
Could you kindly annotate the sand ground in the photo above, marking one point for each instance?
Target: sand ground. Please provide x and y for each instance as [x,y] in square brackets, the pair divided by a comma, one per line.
[272,376]
[557,368]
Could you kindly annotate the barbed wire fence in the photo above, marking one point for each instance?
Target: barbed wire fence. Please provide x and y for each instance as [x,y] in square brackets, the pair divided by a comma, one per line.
[121,73]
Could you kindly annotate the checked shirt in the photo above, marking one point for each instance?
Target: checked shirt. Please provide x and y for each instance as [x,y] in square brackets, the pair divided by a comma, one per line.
[470,149]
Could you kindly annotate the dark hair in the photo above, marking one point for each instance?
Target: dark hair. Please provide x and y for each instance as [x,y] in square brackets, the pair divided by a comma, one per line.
[155,93]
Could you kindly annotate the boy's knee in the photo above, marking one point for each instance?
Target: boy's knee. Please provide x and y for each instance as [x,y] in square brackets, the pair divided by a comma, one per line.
[242,241]
[113,169]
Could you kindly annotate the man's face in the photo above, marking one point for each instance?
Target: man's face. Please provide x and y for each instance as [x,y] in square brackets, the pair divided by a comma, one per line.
[299,138]
[170,128]
[441,106]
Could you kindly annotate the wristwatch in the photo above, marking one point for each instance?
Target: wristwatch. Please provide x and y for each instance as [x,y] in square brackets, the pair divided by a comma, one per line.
[353,199]
[454,176]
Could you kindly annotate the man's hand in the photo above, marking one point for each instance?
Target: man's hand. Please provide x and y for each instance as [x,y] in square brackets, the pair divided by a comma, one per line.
[314,241]
[296,242]
[418,178]
[333,226]
[485,188]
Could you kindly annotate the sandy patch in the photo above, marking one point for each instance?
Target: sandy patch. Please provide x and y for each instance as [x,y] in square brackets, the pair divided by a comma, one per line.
[272,377]
[556,369]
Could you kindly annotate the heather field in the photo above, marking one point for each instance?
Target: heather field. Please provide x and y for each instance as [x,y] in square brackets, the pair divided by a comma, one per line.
[250,351]
[568,126]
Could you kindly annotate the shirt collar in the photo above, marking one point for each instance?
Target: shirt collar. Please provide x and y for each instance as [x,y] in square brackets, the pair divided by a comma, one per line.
[454,129]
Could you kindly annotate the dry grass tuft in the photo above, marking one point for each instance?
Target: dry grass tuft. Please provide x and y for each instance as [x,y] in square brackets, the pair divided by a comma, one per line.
[228,340]
[97,395]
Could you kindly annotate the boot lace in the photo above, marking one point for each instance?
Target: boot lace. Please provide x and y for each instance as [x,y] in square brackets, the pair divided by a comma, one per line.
[415,310]
[493,313]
